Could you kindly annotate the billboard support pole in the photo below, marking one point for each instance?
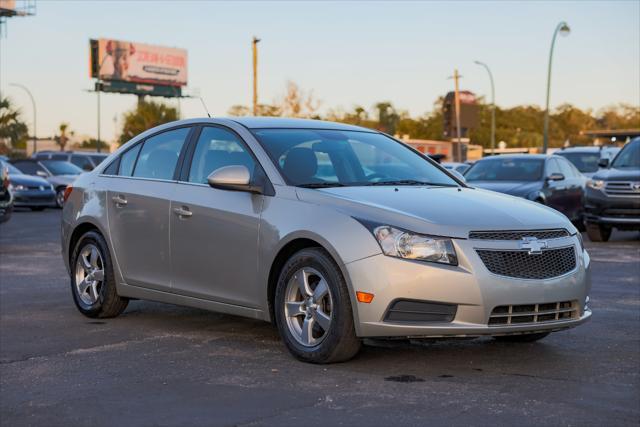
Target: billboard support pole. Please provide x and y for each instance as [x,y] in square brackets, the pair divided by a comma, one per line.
[254,44]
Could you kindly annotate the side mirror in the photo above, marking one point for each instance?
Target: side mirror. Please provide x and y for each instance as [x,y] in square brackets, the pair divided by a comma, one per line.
[603,163]
[555,177]
[43,174]
[457,175]
[233,178]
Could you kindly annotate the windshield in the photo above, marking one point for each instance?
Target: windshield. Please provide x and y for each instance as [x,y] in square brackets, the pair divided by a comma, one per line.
[629,157]
[12,169]
[506,169]
[585,162]
[330,158]
[98,158]
[57,167]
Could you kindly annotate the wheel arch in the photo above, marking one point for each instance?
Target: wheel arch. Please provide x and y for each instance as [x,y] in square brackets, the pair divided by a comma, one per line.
[290,246]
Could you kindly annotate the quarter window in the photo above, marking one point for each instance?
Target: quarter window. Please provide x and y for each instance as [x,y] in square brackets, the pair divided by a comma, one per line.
[159,155]
[218,148]
[128,161]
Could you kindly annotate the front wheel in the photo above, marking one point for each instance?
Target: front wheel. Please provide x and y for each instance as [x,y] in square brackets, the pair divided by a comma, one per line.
[522,338]
[313,309]
[598,233]
[60,197]
[93,283]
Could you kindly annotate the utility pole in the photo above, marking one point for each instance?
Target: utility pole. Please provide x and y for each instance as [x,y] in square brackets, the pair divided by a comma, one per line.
[98,89]
[456,78]
[254,45]
[563,29]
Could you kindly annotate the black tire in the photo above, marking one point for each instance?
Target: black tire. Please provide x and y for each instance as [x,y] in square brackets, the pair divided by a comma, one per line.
[60,197]
[340,342]
[109,303]
[598,233]
[522,338]
[37,208]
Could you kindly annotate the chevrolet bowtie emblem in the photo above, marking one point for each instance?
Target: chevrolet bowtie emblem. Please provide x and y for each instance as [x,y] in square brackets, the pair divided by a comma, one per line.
[534,245]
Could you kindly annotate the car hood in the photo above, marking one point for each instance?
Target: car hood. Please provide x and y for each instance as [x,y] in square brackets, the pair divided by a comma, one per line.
[613,174]
[514,188]
[28,180]
[443,211]
[62,179]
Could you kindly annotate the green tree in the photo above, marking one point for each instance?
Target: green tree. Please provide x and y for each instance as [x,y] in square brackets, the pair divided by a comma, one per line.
[92,143]
[12,129]
[388,118]
[146,115]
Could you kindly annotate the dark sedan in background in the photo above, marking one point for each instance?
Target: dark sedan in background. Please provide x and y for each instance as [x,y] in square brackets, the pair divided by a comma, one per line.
[550,180]
[59,173]
[29,191]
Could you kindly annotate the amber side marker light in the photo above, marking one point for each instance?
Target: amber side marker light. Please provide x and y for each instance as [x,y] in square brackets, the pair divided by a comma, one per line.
[364,297]
[67,192]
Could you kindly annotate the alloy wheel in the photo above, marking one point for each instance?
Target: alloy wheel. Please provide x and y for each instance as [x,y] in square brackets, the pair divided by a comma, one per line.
[308,307]
[89,274]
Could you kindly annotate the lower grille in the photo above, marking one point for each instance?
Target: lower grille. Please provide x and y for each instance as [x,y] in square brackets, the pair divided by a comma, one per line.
[622,212]
[420,311]
[523,265]
[533,313]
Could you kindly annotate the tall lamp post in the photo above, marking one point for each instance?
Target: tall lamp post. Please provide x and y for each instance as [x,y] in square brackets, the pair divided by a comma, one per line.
[493,107]
[564,30]
[33,103]
[254,46]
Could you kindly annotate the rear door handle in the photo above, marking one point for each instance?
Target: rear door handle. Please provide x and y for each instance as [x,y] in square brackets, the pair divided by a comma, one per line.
[119,200]
[183,212]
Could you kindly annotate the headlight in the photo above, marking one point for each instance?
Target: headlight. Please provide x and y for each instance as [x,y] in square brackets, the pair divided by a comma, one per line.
[596,184]
[18,187]
[404,244]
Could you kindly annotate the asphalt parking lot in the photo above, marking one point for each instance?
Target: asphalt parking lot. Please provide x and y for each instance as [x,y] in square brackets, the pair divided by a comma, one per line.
[162,365]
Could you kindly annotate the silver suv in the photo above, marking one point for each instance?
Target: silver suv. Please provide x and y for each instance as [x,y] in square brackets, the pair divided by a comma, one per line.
[333,232]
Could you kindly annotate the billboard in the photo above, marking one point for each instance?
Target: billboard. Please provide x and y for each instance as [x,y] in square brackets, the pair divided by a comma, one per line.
[118,60]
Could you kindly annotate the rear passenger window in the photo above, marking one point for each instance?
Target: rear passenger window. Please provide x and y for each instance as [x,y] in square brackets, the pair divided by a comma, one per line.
[218,148]
[128,161]
[159,155]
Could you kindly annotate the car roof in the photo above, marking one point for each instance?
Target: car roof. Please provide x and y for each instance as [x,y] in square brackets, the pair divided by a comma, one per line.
[287,123]
[516,156]
[583,149]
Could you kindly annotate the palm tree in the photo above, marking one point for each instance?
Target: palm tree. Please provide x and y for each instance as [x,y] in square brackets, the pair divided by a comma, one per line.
[145,116]
[64,136]
[12,128]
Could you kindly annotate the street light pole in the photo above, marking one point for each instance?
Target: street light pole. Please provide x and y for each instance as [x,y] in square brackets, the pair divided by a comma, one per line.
[33,103]
[563,29]
[254,45]
[493,107]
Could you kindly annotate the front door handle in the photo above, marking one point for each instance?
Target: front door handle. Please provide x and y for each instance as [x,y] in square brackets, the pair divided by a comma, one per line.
[119,200]
[183,212]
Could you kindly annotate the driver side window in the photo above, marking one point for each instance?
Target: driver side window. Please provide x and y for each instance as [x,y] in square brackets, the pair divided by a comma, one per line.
[217,148]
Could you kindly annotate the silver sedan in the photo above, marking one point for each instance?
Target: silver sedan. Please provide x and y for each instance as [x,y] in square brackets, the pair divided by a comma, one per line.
[333,232]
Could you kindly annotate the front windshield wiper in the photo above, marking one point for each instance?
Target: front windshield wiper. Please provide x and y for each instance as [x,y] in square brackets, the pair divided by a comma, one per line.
[409,182]
[321,185]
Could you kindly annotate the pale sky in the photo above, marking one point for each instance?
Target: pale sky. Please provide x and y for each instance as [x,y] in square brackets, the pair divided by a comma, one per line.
[347,52]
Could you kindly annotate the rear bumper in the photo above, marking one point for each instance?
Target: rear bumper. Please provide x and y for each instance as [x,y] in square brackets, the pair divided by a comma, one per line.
[470,287]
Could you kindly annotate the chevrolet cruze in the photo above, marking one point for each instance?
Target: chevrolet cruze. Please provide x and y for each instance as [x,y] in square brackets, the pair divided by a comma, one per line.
[334,232]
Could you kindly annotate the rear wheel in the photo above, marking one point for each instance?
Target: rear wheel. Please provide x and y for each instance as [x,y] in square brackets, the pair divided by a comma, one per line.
[522,338]
[93,283]
[313,309]
[598,233]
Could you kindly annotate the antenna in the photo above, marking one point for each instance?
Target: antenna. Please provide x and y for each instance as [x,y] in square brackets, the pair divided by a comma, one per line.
[204,106]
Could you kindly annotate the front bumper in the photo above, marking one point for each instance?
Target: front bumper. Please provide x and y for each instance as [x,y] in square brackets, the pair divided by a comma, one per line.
[470,286]
[616,211]
[34,198]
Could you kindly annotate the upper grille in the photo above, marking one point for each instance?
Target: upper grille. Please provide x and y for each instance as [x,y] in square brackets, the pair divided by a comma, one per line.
[518,235]
[621,188]
[520,264]
[533,313]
